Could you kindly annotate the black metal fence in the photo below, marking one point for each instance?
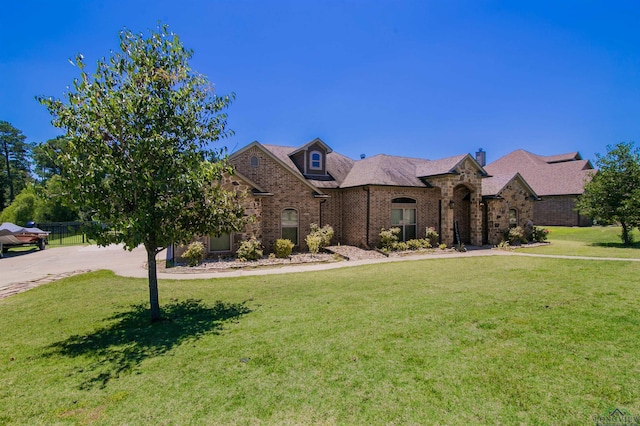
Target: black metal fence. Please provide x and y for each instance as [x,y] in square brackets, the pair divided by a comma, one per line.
[64,233]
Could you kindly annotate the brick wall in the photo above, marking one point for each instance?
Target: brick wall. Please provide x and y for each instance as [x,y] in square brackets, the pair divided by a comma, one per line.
[252,208]
[331,212]
[289,192]
[354,213]
[381,204]
[558,211]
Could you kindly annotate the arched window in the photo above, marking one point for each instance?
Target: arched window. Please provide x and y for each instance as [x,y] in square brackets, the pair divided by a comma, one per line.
[316,160]
[513,218]
[403,216]
[289,225]
[254,161]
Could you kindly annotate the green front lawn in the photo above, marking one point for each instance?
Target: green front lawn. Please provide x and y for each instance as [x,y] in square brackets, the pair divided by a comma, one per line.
[495,340]
[596,241]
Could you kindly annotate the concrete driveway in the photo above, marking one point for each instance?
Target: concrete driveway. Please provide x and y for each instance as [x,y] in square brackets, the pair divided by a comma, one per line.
[35,265]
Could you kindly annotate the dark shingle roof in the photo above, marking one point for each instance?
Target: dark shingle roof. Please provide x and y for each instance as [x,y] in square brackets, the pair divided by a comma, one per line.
[493,185]
[338,165]
[380,169]
[551,175]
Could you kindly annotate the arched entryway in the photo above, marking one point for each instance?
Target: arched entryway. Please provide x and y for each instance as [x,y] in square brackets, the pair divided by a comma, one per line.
[462,214]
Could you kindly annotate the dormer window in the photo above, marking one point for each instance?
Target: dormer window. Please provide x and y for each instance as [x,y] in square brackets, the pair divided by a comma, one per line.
[315,160]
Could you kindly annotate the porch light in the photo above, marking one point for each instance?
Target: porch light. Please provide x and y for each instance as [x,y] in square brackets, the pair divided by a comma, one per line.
[452,204]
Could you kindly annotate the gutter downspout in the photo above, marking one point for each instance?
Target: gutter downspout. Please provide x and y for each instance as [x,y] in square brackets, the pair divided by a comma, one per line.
[320,213]
[366,188]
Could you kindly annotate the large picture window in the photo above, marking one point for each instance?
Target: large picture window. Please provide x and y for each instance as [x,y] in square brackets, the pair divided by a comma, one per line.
[289,225]
[403,216]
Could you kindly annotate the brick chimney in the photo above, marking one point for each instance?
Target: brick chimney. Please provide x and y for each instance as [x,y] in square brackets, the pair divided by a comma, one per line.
[481,157]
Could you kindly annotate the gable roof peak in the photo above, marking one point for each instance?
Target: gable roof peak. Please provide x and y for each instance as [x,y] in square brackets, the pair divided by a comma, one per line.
[306,146]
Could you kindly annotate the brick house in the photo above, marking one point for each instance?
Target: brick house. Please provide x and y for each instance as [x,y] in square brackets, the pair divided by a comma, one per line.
[286,189]
[314,184]
[557,179]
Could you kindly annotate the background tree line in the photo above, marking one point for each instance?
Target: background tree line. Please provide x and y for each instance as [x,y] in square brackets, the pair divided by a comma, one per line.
[30,184]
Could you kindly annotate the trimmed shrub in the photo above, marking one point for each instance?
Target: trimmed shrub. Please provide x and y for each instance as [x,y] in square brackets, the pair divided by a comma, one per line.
[250,250]
[442,246]
[400,246]
[515,235]
[282,248]
[539,235]
[388,237]
[194,253]
[325,233]
[314,242]
[432,236]
[419,244]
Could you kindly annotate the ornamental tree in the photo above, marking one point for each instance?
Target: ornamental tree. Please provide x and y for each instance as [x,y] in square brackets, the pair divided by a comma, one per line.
[139,158]
[613,194]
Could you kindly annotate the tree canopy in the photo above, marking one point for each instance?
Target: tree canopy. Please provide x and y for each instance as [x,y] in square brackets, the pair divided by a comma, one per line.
[15,169]
[45,157]
[613,194]
[139,157]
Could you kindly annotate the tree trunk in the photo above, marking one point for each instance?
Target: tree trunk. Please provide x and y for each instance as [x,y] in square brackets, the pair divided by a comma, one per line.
[153,283]
[9,178]
[625,234]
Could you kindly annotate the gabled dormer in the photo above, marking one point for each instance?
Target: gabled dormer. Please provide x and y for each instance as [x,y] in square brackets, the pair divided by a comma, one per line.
[311,159]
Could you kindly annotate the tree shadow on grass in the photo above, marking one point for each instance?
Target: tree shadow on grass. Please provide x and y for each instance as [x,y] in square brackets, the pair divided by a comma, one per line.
[617,245]
[131,337]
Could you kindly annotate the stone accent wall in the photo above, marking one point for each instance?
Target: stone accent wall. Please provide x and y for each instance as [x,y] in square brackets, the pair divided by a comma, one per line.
[558,210]
[513,196]
[289,192]
[471,179]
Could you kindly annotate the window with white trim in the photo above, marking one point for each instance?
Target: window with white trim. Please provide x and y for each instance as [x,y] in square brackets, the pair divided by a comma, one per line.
[404,216]
[315,160]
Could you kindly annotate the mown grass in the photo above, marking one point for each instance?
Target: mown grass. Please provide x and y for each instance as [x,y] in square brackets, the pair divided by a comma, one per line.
[596,241]
[504,340]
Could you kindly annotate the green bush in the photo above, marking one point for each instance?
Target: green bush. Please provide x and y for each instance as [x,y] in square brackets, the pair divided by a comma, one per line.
[250,250]
[194,253]
[515,235]
[432,236]
[314,242]
[399,246]
[539,235]
[325,233]
[442,246]
[22,209]
[282,248]
[419,244]
[388,237]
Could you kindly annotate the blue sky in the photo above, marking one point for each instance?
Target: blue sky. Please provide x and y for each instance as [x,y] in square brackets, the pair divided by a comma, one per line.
[426,79]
